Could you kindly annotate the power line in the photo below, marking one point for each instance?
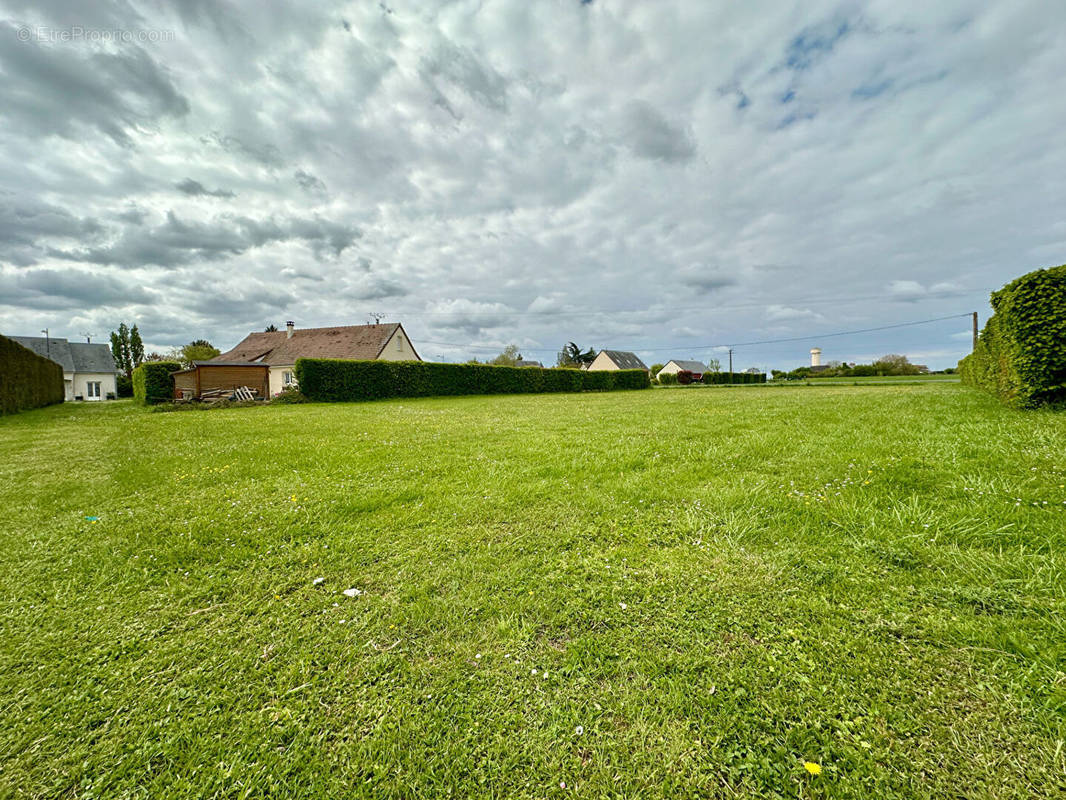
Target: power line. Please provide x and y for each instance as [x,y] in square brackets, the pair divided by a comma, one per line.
[650,310]
[662,348]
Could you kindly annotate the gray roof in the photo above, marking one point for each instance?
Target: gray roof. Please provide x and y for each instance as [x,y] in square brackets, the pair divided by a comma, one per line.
[57,350]
[71,356]
[691,366]
[95,357]
[526,363]
[623,359]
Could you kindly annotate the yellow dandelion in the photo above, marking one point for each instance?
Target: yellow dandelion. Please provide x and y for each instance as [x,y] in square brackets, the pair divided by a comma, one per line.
[811,767]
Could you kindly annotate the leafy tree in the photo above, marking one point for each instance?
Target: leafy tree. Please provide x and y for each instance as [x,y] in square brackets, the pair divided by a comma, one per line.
[714,365]
[509,357]
[270,328]
[136,347]
[654,370]
[571,356]
[895,364]
[197,350]
[120,349]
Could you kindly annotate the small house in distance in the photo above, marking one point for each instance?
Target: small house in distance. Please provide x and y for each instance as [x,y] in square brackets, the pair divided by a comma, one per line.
[277,351]
[676,365]
[89,371]
[611,360]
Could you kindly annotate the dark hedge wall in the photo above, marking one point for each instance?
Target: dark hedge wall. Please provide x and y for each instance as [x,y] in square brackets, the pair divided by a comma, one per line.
[1021,353]
[27,380]
[328,380]
[153,382]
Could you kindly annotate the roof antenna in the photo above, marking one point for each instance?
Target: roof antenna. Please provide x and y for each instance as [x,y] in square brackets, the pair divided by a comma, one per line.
[377,318]
[88,337]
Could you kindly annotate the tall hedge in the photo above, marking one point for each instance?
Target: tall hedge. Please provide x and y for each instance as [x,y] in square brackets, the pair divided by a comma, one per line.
[153,382]
[1021,353]
[331,380]
[27,380]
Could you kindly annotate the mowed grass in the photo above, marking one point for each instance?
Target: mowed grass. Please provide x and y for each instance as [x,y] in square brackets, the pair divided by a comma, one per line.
[635,594]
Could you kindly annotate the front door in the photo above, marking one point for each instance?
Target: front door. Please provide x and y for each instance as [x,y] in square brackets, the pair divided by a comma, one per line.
[92,390]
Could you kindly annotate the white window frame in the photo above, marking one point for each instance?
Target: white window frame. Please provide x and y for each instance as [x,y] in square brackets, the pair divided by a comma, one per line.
[287,378]
[92,390]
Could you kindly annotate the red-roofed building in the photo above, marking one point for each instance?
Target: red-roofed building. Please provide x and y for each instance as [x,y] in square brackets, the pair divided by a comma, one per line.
[279,350]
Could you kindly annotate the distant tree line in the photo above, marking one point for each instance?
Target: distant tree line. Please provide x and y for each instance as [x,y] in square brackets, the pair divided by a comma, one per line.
[892,364]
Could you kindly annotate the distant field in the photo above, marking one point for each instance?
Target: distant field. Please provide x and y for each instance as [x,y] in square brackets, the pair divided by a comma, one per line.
[635,594]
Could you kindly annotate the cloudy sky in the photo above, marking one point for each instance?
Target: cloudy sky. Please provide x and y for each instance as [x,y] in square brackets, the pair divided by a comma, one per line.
[657,176]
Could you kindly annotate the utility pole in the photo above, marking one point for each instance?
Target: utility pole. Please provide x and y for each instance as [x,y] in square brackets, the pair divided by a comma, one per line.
[47,343]
[975,330]
[730,364]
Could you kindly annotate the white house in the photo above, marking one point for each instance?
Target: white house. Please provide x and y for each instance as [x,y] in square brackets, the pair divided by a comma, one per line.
[676,365]
[89,371]
[280,349]
[615,360]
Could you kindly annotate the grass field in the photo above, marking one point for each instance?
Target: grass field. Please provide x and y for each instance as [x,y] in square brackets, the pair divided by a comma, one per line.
[634,594]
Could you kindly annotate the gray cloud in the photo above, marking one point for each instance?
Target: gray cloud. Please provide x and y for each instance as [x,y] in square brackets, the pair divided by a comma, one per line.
[112,93]
[197,189]
[70,288]
[178,242]
[650,135]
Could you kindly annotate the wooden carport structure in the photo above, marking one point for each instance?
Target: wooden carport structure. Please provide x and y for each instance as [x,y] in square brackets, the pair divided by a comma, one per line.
[214,378]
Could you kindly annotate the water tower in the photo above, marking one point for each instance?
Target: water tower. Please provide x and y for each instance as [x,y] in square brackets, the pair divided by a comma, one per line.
[816,356]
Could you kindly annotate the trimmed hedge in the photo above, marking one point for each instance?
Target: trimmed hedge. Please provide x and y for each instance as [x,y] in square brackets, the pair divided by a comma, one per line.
[329,380]
[27,380]
[153,382]
[736,377]
[1021,353]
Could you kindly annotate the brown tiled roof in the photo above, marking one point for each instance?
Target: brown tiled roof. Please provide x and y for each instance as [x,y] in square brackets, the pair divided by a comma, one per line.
[356,342]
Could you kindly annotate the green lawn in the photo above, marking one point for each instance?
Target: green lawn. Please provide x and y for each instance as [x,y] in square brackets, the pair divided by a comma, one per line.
[635,594]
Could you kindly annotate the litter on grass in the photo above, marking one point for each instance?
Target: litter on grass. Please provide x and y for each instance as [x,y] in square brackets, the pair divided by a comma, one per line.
[92,519]
[353,592]
[318,581]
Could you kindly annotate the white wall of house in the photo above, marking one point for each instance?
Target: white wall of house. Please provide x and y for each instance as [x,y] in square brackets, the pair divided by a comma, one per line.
[398,348]
[68,386]
[670,368]
[602,363]
[280,377]
[94,385]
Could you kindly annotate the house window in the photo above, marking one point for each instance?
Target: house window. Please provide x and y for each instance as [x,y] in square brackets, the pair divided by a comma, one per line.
[399,343]
[286,378]
[92,390]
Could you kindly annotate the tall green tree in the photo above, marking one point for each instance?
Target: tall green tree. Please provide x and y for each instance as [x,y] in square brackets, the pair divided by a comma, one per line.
[136,347]
[120,349]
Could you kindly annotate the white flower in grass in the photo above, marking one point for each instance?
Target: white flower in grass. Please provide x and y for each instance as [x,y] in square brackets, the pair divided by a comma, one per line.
[533,671]
[623,606]
[353,592]
[478,657]
[318,581]
[579,730]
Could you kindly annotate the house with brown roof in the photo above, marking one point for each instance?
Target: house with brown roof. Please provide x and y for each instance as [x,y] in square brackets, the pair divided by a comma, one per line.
[278,350]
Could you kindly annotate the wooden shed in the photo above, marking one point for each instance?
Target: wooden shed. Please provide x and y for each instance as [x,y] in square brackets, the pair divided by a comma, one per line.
[213,376]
